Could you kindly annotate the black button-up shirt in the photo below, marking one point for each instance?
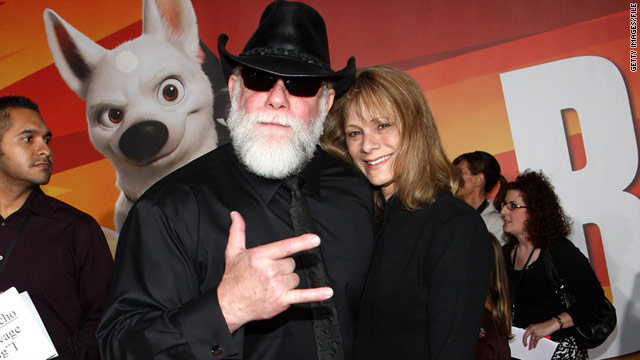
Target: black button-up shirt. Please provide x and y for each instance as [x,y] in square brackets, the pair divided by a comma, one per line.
[170,259]
[62,259]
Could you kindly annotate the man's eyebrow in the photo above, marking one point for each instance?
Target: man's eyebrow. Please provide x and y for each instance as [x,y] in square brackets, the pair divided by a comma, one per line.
[26,131]
[33,131]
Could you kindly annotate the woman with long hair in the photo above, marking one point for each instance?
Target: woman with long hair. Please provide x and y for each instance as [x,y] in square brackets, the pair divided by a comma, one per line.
[430,269]
[481,173]
[535,223]
[493,342]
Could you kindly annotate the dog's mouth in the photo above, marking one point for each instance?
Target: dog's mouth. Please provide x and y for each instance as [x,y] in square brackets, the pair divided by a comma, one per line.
[142,142]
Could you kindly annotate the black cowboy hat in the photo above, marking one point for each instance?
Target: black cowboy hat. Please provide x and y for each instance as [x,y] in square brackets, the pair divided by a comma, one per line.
[291,40]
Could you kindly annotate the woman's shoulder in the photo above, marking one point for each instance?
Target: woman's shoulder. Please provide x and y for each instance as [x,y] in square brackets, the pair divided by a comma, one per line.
[490,214]
[491,209]
[566,254]
[563,246]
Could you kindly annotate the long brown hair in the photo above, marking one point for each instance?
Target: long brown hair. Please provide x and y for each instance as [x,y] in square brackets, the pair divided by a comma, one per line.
[498,294]
[421,168]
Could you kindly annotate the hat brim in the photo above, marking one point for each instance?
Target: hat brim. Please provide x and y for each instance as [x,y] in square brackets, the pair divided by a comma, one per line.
[289,66]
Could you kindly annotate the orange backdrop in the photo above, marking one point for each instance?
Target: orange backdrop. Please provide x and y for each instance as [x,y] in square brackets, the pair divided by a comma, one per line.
[455,49]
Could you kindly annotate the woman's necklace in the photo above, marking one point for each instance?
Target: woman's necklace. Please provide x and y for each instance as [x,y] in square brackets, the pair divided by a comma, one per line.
[515,254]
[515,284]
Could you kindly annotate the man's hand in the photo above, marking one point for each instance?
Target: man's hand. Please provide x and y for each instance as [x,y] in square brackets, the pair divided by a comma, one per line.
[259,283]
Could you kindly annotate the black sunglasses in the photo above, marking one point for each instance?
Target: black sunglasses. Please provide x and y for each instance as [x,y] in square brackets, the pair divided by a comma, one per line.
[257,80]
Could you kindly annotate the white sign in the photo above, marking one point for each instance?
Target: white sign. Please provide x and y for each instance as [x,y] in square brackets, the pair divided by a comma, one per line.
[22,334]
[543,351]
[596,194]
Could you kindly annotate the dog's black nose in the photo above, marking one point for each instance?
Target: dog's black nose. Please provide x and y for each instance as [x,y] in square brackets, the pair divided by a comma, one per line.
[143,140]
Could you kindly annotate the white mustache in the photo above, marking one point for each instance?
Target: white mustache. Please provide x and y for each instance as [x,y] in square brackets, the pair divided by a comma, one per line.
[277,119]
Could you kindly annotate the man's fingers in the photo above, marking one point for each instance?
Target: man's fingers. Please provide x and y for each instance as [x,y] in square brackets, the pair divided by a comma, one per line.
[297,296]
[291,281]
[286,265]
[236,242]
[287,247]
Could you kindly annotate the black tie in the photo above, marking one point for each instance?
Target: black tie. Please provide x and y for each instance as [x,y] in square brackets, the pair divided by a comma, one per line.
[325,314]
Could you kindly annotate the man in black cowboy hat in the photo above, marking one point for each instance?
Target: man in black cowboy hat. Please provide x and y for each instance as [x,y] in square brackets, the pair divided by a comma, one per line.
[186,286]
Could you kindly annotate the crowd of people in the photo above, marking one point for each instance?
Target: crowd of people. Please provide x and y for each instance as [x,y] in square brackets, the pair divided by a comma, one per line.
[333,226]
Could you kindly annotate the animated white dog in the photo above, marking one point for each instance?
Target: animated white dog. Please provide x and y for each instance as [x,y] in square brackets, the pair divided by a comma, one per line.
[148,102]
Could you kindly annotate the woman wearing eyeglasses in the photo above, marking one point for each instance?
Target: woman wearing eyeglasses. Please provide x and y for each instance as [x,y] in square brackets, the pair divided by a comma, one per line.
[481,172]
[427,285]
[534,222]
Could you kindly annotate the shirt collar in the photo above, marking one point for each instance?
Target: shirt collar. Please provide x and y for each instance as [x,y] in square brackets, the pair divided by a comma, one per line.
[266,188]
[38,204]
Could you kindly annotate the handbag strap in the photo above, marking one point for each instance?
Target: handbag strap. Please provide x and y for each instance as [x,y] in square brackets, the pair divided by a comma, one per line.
[555,278]
[552,272]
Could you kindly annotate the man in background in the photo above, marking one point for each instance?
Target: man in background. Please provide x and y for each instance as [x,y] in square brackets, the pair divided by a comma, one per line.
[55,252]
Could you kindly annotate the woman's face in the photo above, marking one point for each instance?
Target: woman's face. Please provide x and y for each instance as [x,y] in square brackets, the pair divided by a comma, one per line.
[372,142]
[515,219]
[471,182]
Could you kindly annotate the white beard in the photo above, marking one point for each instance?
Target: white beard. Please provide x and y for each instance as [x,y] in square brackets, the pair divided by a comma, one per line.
[268,157]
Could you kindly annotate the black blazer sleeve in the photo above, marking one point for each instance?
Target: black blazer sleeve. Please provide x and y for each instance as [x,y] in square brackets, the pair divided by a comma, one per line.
[156,309]
[580,280]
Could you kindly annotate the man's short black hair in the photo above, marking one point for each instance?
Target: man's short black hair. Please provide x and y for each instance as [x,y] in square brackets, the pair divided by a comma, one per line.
[13,102]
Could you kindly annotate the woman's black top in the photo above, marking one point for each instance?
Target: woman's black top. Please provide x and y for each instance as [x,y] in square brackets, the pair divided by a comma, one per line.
[535,298]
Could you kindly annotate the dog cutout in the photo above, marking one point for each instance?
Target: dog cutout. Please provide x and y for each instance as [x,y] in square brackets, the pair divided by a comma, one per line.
[149,105]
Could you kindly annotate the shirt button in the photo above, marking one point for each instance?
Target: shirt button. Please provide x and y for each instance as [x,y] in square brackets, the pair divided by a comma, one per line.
[1,257]
[3,223]
[216,350]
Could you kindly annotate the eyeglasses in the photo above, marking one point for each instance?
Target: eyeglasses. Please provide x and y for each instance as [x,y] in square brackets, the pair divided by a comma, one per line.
[297,86]
[512,206]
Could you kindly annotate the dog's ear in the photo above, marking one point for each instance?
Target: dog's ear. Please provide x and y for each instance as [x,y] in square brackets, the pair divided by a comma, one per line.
[176,19]
[73,53]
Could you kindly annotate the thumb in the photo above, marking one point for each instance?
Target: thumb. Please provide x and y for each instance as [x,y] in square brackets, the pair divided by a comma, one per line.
[236,242]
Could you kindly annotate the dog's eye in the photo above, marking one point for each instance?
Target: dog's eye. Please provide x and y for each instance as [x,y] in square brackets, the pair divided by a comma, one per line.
[115,115]
[171,91]
[111,116]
